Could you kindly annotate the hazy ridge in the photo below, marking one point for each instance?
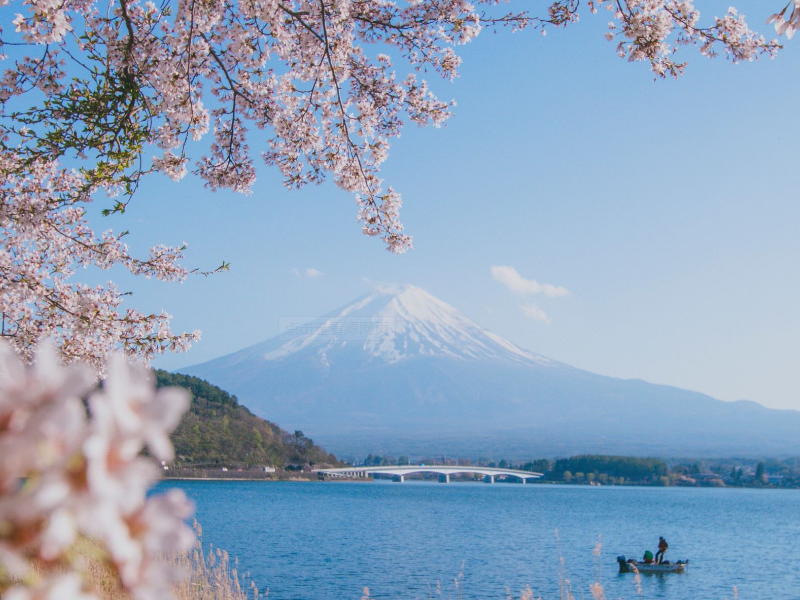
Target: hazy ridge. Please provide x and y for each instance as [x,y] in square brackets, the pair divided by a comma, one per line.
[399,371]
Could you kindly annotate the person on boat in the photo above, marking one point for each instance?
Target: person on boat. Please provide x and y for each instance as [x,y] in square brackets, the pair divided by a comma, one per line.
[662,549]
[648,557]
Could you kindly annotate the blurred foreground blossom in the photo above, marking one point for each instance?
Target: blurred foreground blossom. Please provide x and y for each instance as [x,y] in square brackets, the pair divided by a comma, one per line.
[787,24]
[73,471]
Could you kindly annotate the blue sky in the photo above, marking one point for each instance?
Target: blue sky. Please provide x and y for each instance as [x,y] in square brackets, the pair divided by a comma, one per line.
[668,209]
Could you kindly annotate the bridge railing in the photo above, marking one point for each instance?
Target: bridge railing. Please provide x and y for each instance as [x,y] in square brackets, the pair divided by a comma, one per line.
[401,471]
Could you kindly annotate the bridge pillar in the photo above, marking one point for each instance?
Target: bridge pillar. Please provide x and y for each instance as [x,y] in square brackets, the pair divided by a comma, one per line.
[444,478]
[524,480]
[488,479]
[399,478]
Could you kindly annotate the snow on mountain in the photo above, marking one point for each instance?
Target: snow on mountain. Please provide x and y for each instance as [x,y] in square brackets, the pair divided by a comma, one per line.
[417,324]
[400,371]
[389,325]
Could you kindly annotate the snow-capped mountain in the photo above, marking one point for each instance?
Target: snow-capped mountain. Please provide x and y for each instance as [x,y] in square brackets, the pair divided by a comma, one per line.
[390,325]
[400,371]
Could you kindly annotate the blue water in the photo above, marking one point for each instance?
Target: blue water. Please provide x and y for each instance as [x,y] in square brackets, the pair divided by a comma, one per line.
[326,541]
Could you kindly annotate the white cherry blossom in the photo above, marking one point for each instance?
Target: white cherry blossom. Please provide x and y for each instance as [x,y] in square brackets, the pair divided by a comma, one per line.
[71,472]
[318,89]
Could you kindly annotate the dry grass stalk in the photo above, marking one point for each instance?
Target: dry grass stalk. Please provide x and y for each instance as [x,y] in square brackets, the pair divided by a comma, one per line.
[207,575]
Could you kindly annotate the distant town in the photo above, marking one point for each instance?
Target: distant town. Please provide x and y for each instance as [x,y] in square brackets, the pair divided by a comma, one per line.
[629,470]
[597,470]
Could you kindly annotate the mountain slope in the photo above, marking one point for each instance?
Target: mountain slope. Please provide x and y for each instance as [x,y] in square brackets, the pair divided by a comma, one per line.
[390,325]
[399,371]
[217,430]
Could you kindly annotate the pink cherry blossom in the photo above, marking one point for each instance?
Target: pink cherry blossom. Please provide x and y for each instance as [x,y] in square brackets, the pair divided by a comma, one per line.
[85,477]
[787,25]
[315,88]
[46,238]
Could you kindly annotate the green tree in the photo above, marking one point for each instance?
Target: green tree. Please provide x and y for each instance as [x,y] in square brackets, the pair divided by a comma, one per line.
[257,439]
[631,467]
[761,476]
[539,466]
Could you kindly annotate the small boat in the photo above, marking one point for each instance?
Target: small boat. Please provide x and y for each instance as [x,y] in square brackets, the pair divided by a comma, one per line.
[632,566]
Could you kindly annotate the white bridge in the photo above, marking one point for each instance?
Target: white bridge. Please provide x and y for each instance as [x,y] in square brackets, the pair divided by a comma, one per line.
[399,472]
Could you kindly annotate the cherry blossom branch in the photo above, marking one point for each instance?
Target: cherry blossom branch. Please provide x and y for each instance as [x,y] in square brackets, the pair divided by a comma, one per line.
[311,84]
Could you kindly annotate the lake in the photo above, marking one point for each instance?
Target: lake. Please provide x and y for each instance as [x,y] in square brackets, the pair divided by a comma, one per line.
[325,541]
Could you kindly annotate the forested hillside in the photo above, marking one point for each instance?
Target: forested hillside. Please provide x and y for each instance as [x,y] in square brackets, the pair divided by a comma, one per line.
[218,431]
[631,468]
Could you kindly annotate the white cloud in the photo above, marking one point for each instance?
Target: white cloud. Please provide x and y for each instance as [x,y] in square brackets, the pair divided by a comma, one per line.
[309,272]
[510,278]
[534,312]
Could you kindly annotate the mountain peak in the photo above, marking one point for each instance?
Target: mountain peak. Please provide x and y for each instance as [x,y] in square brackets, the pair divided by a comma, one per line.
[398,289]
[401,301]
[402,322]
[407,302]
[393,323]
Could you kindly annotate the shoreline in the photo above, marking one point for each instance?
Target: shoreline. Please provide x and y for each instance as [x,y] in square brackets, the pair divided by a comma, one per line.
[544,483]
[236,479]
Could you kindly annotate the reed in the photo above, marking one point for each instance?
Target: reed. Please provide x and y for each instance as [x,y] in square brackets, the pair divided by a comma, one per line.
[203,574]
[212,576]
